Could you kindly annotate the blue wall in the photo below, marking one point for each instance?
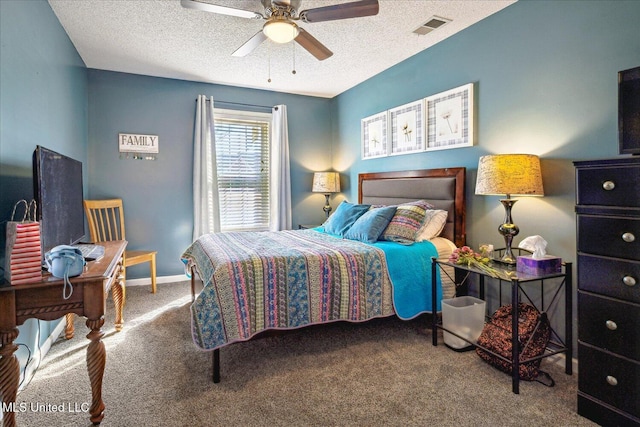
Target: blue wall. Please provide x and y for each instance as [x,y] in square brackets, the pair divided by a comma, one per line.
[545,76]
[43,87]
[43,84]
[158,194]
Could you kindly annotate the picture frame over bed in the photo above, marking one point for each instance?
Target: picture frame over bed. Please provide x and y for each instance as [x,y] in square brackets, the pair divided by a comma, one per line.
[449,117]
[363,281]
[374,136]
[406,124]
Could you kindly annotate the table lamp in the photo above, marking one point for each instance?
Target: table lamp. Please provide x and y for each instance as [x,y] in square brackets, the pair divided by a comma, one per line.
[327,183]
[509,174]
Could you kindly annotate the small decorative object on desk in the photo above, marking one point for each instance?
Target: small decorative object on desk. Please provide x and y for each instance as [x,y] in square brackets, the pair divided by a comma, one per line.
[23,253]
[539,263]
[486,250]
[466,256]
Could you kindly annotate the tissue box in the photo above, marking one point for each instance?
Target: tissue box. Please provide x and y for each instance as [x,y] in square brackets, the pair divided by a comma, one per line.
[538,267]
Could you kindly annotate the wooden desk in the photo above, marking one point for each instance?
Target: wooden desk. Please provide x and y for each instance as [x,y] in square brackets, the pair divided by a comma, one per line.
[44,301]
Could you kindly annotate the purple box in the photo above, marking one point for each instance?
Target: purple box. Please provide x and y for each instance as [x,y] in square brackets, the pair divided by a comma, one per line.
[539,267]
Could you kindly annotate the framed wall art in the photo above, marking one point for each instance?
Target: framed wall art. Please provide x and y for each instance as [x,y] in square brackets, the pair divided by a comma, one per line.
[139,147]
[374,136]
[407,128]
[449,117]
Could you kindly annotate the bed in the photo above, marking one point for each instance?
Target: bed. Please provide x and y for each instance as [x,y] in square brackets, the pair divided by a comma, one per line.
[268,281]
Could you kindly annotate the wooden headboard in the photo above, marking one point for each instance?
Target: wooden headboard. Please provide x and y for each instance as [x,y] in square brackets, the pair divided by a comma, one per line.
[444,188]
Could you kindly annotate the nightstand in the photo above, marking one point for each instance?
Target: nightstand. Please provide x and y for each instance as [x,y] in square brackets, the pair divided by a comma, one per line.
[514,281]
[306,226]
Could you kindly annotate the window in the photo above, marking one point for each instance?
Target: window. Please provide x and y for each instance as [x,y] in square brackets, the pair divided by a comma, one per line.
[242,155]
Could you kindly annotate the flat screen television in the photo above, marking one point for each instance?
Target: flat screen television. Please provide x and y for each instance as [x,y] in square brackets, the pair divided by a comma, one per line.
[57,181]
[629,111]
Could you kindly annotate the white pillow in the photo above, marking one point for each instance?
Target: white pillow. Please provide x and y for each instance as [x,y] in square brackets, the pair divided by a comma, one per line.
[434,222]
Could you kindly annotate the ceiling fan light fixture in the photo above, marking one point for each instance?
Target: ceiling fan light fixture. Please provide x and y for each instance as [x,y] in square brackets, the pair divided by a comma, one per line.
[280,30]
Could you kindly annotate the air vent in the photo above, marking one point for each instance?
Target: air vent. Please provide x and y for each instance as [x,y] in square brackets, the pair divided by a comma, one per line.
[432,23]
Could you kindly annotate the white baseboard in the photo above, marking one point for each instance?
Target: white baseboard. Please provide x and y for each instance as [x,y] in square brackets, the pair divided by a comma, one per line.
[146,281]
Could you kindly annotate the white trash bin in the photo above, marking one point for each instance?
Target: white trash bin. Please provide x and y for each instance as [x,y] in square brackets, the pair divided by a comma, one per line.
[465,317]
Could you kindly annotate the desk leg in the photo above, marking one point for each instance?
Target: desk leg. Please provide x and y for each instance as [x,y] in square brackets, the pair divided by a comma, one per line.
[118,294]
[96,359]
[69,329]
[9,374]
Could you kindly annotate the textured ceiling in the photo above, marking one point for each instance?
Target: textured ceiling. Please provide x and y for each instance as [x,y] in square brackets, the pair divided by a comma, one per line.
[161,38]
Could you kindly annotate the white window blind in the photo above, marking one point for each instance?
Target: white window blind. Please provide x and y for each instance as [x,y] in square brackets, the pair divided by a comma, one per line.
[242,151]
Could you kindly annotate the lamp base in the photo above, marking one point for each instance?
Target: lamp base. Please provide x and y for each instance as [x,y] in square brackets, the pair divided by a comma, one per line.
[509,230]
[327,207]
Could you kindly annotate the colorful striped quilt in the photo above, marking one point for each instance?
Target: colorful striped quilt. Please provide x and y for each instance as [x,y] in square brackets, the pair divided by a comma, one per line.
[283,280]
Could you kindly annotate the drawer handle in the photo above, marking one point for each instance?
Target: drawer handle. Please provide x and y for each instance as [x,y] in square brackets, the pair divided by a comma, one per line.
[611,325]
[612,380]
[609,185]
[629,281]
[628,237]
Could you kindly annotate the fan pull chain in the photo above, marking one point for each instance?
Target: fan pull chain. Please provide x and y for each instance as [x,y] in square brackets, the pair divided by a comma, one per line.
[269,69]
[294,58]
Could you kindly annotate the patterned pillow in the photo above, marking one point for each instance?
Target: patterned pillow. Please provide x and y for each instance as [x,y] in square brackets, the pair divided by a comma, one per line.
[406,222]
[434,222]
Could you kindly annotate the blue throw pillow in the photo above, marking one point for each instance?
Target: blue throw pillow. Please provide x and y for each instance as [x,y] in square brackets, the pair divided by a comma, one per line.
[371,225]
[344,217]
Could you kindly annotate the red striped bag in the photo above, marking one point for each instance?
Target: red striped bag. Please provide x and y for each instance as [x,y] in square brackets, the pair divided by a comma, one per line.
[23,255]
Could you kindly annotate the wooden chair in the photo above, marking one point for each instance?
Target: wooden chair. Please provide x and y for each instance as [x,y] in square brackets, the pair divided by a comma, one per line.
[106,222]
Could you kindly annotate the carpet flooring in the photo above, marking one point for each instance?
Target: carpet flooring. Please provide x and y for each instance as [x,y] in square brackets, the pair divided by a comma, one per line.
[380,373]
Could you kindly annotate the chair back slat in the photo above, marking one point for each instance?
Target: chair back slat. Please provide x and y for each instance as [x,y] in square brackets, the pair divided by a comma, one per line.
[106,219]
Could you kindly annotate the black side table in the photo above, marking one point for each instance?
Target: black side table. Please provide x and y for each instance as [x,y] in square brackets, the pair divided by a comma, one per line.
[515,279]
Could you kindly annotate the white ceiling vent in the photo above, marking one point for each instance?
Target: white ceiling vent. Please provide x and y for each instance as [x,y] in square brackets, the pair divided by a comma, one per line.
[432,23]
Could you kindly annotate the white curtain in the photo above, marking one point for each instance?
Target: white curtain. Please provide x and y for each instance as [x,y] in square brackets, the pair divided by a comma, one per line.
[206,204]
[280,173]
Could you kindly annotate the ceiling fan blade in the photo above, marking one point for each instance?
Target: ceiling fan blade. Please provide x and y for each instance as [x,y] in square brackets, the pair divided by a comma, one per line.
[251,44]
[341,11]
[312,45]
[223,10]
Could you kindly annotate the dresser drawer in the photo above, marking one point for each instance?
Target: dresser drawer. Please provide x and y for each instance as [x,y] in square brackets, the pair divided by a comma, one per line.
[609,186]
[609,236]
[610,277]
[603,414]
[609,324]
[608,378]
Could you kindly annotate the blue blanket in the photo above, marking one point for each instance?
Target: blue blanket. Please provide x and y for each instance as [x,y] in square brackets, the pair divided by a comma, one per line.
[410,272]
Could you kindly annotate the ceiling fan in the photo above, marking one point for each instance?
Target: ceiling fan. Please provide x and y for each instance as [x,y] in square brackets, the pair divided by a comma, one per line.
[280,26]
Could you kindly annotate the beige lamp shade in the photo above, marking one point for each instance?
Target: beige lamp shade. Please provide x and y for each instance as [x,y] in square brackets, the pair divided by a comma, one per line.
[510,174]
[326,182]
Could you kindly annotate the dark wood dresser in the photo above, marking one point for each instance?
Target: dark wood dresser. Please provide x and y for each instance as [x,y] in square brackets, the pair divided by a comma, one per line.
[608,245]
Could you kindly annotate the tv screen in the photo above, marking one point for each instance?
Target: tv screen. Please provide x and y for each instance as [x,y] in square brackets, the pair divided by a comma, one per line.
[629,111]
[58,193]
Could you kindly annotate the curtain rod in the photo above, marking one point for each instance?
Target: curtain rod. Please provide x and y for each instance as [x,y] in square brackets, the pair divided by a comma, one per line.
[239,103]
